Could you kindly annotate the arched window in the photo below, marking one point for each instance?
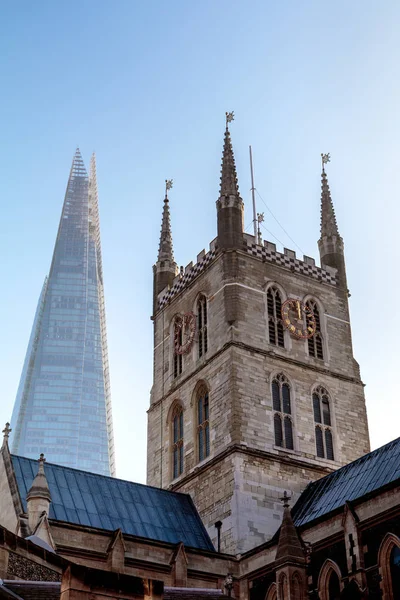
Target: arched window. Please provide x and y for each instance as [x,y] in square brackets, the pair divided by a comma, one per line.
[177,437]
[283,587]
[315,346]
[281,403]
[202,325]
[323,423]
[177,341]
[275,326]
[395,571]
[333,586]
[203,423]
[297,585]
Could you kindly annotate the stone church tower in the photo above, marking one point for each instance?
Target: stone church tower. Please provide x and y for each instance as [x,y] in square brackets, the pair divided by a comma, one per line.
[256,390]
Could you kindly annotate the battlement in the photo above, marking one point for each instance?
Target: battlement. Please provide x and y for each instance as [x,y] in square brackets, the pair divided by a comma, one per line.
[267,252]
[187,274]
[288,260]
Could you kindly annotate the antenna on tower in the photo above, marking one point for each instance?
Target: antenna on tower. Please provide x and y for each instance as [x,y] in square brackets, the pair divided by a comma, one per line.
[253,189]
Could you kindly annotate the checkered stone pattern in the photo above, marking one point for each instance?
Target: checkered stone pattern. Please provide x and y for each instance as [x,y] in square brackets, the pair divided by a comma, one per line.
[293,264]
[187,278]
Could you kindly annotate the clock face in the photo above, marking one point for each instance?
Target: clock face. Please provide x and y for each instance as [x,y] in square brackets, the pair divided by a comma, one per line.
[184,332]
[298,318]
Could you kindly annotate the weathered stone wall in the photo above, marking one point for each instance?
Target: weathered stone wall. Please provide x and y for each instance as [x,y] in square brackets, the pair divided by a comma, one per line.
[242,490]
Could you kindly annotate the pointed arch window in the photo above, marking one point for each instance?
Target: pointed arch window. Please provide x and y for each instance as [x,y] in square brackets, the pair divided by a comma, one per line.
[178,358]
[203,423]
[202,325]
[275,325]
[333,586]
[395,571]
[177,439]
[315,345]
[323,423]
[281,404]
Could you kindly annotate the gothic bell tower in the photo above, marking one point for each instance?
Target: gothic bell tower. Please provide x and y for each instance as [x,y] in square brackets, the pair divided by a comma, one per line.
[256,390]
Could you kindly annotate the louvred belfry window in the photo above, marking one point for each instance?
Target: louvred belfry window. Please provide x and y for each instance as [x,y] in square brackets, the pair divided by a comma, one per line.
[275,326]
[315,346]
[203,423]
[177,438]
[323,423]
[202,325]
[281,404]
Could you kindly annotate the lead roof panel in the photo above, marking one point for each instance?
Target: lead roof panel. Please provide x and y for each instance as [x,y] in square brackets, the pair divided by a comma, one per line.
[363,476]
[108,503]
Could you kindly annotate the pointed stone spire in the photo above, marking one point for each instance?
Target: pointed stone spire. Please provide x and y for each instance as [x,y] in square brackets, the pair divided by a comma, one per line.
[230,209]
[38,498]
[165,250]
[165,269]
[330,244]
[289,545]
[328,218]
[229,181]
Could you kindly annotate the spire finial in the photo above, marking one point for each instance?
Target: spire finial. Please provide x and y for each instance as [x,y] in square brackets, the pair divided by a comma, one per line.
[168,185]
[41,462]
[285,499]
[325,159]
[6,433]
[328,218]
[229,116]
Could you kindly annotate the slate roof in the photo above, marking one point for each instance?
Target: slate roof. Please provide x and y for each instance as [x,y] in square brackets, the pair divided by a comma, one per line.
[171,593]
[30,590]
[108,503]
[351,482]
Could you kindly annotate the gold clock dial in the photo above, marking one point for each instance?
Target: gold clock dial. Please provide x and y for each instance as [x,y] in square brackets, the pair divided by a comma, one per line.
[298,318]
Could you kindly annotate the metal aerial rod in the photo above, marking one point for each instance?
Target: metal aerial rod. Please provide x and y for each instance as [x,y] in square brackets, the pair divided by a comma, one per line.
[253,196]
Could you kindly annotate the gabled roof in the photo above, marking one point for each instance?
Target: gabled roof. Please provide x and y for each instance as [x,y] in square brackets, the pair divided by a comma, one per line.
[108,503]
[351,482]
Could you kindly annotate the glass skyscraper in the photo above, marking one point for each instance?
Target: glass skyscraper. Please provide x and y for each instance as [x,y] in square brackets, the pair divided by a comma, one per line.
[63,403]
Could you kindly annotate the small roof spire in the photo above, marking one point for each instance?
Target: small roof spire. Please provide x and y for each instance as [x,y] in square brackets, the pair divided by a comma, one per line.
[289,544]
[6,433]
[165,250]
[40,487]
[328,218]
[229,181]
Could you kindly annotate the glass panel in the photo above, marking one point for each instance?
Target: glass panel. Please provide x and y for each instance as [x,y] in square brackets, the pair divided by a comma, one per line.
[207,430]
[288,433]
[319,442]
[278,431]
[181,459]
[175,462]
[181,424]
[329,444]
[175,427]
[276,401]
[334,587]
[317,408]
[206,409]
[201,445]
[200,410]
[286,398]
[270,303]
[395,571]
[326,411]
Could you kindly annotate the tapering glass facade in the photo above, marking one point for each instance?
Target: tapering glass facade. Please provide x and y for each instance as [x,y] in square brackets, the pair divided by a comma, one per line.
[63,404]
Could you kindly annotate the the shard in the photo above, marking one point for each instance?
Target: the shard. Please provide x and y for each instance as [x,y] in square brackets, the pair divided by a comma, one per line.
[63,403]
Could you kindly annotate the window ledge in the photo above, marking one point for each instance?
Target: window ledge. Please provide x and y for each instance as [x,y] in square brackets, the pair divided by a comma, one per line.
[286,450]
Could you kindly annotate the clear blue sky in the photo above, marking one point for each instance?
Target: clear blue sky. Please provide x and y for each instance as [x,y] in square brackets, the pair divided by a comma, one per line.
[146,85]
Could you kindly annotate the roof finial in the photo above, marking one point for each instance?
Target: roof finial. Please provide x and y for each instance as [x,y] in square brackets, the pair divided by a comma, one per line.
[168,186]
[285,499]
[41,461]
[6,433]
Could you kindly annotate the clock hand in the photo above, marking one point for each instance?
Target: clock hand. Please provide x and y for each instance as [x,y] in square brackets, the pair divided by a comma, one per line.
[298,310]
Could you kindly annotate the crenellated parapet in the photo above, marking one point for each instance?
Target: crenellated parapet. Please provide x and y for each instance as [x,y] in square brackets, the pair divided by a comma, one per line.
[288,260]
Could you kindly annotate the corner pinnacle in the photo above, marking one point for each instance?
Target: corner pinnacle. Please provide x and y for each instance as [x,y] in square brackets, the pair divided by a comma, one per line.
[329,226]
[229,182]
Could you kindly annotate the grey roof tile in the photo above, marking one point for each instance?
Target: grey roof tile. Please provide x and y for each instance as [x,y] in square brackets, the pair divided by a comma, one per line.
[108,503]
